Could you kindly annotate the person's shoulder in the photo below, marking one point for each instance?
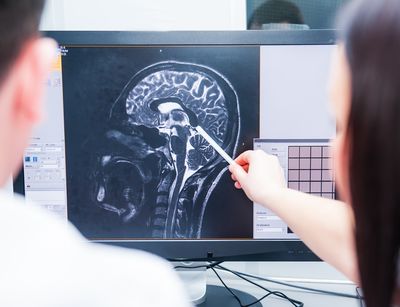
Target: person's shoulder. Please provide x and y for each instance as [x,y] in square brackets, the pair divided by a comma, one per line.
[153,279]
[20,218]
[42,250]
[14,211]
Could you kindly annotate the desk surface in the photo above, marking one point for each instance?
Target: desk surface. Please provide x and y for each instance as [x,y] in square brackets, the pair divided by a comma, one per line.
[310,274]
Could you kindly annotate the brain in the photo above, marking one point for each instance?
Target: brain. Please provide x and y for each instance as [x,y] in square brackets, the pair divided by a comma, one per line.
[197,91]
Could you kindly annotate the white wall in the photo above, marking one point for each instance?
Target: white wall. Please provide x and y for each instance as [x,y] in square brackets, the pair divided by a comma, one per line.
[144,15]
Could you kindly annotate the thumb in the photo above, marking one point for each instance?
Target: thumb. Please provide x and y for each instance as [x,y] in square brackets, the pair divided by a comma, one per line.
[239,173]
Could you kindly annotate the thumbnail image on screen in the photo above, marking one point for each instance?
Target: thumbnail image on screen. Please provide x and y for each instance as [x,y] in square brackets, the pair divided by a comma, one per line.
[136,166]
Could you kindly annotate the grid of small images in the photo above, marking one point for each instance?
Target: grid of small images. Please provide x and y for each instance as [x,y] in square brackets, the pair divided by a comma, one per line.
[309,170]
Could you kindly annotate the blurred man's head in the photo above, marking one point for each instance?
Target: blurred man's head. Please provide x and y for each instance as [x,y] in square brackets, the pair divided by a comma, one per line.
[275,12]
[25,59]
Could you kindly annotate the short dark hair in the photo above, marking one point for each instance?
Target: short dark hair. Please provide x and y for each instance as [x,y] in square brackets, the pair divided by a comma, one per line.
[372,43]
[19,21]
[275,11]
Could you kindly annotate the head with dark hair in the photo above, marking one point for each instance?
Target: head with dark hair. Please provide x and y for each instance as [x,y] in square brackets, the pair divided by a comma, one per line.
[275,11]
[371,142]
[19,21]
[25,60]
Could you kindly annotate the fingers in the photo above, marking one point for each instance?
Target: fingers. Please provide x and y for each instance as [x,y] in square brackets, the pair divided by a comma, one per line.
[244,158]
[237,185]
[239,175]
[244,167]
[233,177]
[250,156]
[238,171]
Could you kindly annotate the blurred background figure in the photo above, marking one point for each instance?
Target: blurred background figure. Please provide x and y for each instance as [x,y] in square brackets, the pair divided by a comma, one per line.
[277,15]
[292,14]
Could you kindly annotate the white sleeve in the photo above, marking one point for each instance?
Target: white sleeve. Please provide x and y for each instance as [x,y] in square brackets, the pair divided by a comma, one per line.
[46,262]
[118,277]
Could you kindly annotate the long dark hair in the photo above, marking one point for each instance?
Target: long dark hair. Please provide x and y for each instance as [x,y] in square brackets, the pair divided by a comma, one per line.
[372,43]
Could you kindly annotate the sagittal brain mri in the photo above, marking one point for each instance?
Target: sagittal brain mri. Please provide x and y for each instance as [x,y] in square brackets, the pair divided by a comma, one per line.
[166,171]
[138,166]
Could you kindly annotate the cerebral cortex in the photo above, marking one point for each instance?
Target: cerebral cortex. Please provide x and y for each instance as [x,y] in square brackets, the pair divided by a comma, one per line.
[197,92]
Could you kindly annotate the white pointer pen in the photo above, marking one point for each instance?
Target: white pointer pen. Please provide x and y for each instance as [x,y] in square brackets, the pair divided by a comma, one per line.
[170,104]
[214,145]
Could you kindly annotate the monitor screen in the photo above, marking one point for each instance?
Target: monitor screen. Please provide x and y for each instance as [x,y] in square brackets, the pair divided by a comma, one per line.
[122,152]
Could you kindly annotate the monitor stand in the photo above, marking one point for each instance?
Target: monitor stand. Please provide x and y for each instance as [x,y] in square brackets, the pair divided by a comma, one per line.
[203,295]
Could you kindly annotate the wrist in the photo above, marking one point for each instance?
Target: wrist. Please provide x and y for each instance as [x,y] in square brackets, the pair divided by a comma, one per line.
[273,197]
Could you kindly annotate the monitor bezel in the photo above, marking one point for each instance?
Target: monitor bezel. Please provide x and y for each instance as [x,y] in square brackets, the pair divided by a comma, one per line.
[179,250]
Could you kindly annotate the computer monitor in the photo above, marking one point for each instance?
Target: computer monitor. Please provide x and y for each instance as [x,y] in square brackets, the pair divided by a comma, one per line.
[120,154]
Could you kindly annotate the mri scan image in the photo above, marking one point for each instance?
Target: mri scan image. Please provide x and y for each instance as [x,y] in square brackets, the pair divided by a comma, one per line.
[167,166]
[137,165]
